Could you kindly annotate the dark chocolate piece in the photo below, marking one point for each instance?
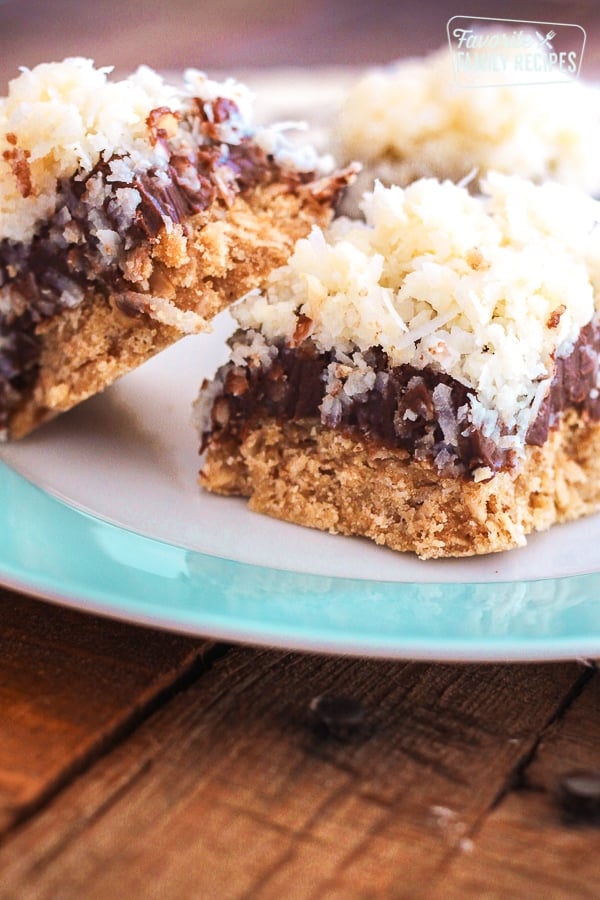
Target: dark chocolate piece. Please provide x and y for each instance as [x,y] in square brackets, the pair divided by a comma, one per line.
[338,716]
[579,797]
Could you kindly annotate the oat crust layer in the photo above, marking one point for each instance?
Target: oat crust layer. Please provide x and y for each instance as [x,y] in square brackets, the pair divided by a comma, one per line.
[336,482]
[223,255]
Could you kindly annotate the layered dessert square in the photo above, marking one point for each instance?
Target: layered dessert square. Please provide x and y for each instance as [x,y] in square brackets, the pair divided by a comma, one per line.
[131,212]
[411,119]
[427,378]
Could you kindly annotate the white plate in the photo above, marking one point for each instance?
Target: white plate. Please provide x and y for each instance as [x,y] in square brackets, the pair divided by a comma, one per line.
[129,514]
[130,533]
[130,457]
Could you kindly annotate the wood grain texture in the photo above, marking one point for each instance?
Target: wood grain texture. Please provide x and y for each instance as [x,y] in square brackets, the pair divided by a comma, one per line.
[525,848]
[228,791]
[69,685]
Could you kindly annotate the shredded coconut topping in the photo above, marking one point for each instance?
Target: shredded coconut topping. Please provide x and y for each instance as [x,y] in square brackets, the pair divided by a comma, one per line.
[489,289]
[60,119]
[414,113]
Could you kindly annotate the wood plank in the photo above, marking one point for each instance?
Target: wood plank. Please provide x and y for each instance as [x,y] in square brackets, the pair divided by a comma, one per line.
[571,742]
[228,791]
[526,846]
[69,684]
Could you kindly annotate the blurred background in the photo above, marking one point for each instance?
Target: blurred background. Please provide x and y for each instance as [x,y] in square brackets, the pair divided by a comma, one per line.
[232,34]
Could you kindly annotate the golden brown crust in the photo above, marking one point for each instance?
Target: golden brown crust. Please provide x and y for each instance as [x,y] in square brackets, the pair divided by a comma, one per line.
[303,473]
[227,253]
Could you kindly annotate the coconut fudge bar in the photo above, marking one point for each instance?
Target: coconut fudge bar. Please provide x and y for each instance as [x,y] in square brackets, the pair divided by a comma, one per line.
[427,378]
[411,119]
[131,212]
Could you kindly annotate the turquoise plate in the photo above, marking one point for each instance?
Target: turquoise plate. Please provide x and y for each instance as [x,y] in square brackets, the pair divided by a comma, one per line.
[50,550]
[100,511]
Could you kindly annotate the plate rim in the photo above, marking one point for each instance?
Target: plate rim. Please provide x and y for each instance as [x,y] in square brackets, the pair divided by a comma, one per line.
[100,592]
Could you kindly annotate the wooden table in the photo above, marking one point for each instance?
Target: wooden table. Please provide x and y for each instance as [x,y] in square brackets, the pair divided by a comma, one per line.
[136,763]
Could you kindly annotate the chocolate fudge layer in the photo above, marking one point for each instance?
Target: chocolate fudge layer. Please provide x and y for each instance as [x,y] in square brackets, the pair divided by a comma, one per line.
[429,377]
[130,213]
[421,411]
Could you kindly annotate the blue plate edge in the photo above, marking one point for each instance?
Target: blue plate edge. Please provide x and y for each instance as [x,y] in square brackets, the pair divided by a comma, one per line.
[108,601]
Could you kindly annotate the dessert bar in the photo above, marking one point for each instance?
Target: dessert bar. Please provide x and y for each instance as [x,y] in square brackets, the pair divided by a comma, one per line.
[131,212]
[427,377]
[411,119]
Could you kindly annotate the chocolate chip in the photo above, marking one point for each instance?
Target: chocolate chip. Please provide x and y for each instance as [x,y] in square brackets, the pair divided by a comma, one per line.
[338,716]
[579,796]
